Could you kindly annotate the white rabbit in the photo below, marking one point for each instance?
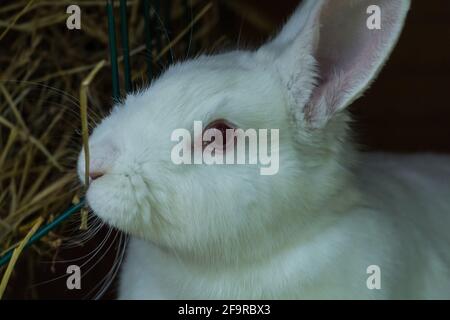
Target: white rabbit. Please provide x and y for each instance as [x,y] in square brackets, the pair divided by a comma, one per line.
[313,230]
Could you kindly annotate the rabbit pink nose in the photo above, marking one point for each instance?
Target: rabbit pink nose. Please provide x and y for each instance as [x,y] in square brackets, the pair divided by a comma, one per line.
[96,174]
[102,159]
[99,166]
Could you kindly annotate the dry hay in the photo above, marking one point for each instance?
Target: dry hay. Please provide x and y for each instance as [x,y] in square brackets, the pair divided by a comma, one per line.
[42,67]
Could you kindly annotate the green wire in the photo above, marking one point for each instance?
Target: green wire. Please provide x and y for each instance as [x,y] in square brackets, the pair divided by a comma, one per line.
[113,51]
[44,230]
[148,39]
[125,44]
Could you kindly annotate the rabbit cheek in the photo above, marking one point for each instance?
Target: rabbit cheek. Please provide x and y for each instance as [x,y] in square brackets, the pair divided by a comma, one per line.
[113,200]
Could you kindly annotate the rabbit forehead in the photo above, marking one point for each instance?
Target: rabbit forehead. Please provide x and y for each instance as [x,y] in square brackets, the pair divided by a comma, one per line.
[207,89]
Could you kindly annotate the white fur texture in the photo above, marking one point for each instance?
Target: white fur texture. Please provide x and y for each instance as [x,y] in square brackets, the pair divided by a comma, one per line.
[310,231]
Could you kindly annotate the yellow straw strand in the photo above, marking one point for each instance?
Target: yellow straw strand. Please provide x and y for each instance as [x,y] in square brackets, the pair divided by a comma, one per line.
[16,255]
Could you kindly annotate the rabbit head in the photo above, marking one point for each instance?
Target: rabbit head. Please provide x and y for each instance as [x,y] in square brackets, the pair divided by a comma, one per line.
[300,82]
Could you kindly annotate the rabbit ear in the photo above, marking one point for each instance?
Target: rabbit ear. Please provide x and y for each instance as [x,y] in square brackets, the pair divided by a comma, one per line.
[329,51]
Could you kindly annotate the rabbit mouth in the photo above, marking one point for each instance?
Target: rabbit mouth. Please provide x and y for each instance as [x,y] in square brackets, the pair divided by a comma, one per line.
[125,202]
[111,198]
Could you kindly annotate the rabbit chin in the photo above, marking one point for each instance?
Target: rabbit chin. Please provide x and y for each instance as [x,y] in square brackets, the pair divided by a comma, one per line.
[120,203]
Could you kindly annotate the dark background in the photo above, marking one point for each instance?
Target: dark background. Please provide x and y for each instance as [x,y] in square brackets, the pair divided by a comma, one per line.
[408,107]
[406,110]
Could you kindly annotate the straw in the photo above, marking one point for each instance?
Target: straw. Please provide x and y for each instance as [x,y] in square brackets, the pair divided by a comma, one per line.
[85,133]
[43,67]
[43,231]
[15,255]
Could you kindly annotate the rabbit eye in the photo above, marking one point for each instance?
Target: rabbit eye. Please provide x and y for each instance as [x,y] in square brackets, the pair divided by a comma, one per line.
[222,126]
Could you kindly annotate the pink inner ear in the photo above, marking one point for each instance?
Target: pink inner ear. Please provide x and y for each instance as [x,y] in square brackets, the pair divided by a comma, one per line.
[349,54]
